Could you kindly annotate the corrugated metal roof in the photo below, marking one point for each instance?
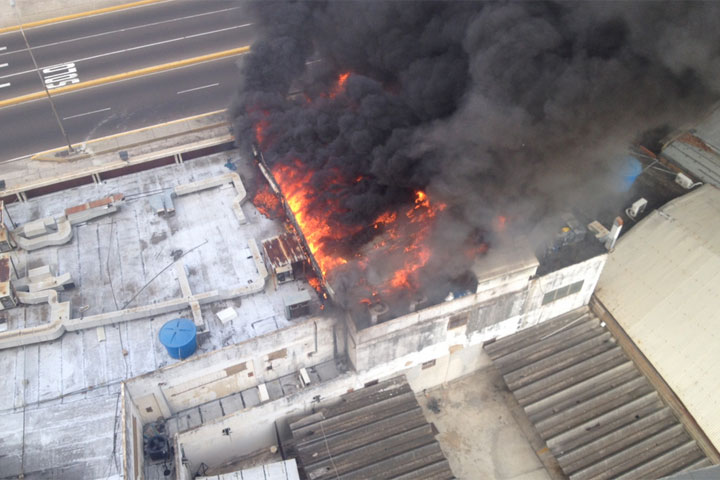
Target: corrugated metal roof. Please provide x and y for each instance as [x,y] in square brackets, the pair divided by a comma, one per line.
[709,127]
[699,162]
[598,415]
[698,152]
[662,285]
[283,250]
[377,432]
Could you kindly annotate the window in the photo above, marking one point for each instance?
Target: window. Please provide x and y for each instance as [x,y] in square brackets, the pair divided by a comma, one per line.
[575,287]
[458,321]
[562,292]
[429,364]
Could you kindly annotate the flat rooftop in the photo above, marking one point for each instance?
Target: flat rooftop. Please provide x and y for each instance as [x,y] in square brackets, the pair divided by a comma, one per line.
[482,430]
[122,260]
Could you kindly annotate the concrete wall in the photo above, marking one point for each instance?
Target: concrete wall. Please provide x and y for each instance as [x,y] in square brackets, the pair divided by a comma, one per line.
[235,368]
[254,429]
[133,452]
[589,271]
[472,319]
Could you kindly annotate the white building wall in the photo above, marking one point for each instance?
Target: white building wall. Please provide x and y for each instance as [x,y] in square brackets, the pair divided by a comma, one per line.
[431,346]
[473,318]
[253,429]
[235,368]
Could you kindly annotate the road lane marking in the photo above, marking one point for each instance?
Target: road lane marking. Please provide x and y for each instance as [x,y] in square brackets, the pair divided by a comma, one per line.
[75,16]
[3,48]
[3,85]
[127,75]
[197,88]
[135,48]
[86,113]
[60,75]
[3,65]
[120,30]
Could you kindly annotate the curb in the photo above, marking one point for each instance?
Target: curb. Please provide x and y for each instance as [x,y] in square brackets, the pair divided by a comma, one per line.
[39,156]
[73,16]
[126,75]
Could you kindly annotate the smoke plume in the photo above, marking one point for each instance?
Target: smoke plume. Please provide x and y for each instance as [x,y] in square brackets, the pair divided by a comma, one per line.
[514,109]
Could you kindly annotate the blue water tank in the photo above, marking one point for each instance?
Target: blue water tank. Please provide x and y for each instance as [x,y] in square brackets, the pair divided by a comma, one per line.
[179,336]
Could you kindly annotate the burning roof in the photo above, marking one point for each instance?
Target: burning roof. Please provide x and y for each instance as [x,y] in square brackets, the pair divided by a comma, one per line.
[364,261]
[423,132]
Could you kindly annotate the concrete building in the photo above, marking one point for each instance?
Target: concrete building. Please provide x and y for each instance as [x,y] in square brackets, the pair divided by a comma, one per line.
[101,265]
[101,261]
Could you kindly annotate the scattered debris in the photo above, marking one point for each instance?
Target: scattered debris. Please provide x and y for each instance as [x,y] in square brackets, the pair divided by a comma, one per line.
[433,405]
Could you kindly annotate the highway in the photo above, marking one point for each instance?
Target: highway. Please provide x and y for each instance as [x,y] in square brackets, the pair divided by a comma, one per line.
[95,47]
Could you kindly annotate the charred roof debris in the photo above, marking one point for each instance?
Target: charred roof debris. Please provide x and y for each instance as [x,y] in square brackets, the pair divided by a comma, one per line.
[508,119]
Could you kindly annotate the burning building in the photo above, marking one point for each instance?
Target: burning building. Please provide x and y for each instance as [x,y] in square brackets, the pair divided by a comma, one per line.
[402,155]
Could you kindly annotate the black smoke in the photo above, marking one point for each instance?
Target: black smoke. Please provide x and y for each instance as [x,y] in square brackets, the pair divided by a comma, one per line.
[513,108]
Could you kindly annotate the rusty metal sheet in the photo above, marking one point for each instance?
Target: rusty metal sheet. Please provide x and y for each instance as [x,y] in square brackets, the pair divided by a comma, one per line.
[283,250]
[292,247]
[4,268]
[274,252]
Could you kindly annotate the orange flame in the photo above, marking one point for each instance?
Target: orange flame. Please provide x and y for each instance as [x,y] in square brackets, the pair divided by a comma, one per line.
[407,240]
[340,85]
[311,217]
[267,202]
[417,251]
[260,128]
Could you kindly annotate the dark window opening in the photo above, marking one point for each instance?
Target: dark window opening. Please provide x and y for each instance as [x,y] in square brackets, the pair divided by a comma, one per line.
[562,292]
[429,364]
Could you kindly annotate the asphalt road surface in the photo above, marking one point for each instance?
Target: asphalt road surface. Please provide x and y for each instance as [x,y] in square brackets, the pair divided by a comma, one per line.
[117,107]
[101,45]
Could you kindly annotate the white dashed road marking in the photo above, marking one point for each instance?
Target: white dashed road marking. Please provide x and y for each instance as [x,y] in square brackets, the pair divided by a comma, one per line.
[131,49]
[198,88]
[86,113]
[3,85]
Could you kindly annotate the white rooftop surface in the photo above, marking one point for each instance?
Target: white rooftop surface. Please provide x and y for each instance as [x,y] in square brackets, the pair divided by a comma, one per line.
[662,284]
[70,386]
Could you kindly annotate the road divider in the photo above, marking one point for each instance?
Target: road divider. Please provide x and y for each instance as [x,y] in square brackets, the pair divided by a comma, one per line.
[124,76]
[73,16]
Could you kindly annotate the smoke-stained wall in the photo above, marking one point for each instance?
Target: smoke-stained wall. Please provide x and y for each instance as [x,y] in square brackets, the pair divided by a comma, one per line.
[471,320]
[520,109]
